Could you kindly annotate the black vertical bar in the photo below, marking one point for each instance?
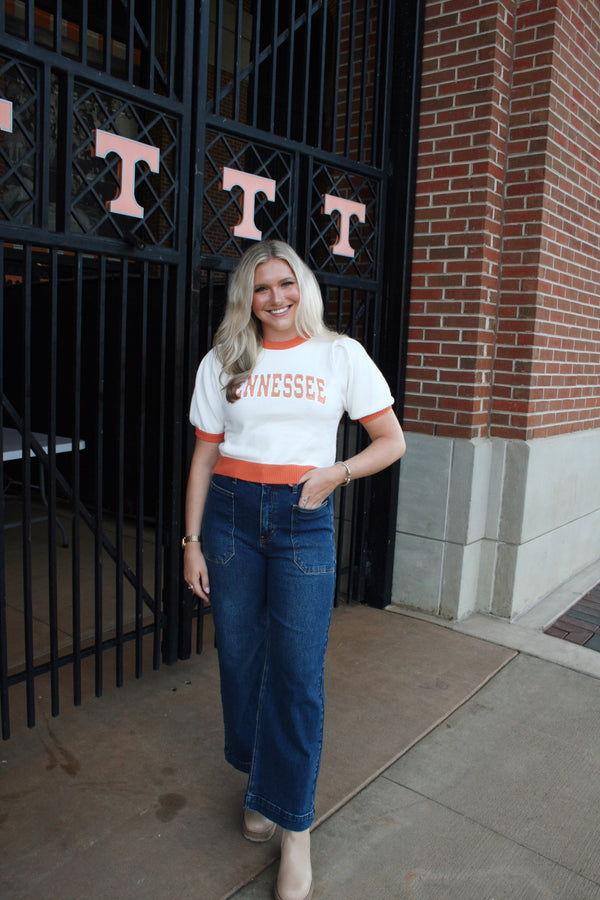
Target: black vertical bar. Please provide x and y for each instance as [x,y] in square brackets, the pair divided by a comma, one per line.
[340,310]
[43,142]
[76,478]
[173,18]
[274,66]
[99,500]
[130,40]
[206,301]
[348,449]
[343,495]
[107,48]
[364,492]
[201,612]
[322,75]
[292,43]
[353,561]
[336,69]
[64,154]
[256,41]
[382,84]
[295,203]
[30,21]
[362,117]
[58,26]
[218,49]
[139,568]
[26,479]
[4,699]
[201,321]
[356,588]
[350,82]
[237,60]
[120,500]
[210,306]
[160,477]
[308,217]
[347,511]
[188,289]
[152,13]
[84,33]
[307,65]
[52,566]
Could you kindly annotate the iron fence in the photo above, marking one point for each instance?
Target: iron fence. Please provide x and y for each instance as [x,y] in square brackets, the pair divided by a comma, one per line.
[105,316]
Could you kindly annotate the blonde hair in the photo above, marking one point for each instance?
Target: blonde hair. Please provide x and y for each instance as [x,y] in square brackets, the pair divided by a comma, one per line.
[238,340]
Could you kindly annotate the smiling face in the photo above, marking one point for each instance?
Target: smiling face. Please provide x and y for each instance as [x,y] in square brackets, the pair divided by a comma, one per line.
[275,299]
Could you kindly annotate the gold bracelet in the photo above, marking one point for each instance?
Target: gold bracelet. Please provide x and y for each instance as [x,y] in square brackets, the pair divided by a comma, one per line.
[190,539]
[348,479]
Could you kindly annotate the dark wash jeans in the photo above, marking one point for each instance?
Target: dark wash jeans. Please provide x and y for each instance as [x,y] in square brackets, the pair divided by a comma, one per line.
[272,577]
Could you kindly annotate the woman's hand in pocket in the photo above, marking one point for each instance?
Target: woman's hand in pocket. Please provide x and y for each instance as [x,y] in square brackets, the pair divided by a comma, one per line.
[318,484]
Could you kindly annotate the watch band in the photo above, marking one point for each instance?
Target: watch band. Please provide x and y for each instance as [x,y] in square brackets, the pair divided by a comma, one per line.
[190,539]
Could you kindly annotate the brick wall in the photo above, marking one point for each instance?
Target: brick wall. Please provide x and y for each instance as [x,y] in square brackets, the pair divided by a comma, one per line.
[504,333]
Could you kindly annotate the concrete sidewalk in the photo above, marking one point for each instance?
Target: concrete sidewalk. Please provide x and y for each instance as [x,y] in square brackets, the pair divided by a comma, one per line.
[502,800]
[458,765]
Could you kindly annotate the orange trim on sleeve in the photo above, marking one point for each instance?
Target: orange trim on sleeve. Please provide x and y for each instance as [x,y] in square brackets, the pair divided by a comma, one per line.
[376,415]
[211,438]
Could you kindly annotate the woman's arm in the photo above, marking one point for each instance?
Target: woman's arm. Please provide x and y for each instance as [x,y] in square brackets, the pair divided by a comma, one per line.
[203,462]
[387,445]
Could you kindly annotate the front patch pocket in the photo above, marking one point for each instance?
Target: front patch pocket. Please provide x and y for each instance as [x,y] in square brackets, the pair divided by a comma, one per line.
[218,544]
[313,540]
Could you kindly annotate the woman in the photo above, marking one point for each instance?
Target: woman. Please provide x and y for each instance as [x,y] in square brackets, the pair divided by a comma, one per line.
[266,407]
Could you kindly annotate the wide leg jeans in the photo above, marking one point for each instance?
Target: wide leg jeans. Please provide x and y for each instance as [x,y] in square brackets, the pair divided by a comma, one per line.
[272,575]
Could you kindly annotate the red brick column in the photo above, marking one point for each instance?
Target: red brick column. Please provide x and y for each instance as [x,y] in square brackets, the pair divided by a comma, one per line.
[505,315]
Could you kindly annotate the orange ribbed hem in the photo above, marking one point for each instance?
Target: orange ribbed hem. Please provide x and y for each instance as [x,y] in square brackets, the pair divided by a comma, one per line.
[211,438]
[261,473]
[376,415]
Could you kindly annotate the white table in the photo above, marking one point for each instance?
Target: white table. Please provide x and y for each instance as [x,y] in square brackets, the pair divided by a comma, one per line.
[12,449]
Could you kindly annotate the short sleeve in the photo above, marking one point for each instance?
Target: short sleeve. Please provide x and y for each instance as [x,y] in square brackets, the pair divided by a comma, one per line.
[366,391]
[207,407]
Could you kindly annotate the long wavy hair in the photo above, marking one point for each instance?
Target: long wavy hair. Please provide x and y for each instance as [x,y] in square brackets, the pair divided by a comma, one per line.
[239,340]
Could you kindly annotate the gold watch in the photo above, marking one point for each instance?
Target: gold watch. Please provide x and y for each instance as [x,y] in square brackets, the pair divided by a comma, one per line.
[190,539]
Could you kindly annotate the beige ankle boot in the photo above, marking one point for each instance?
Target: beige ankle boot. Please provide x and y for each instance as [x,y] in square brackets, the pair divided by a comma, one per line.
[257,827]
[294,879]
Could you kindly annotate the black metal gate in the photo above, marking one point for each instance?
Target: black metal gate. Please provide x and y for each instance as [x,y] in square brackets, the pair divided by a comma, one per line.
[126,131]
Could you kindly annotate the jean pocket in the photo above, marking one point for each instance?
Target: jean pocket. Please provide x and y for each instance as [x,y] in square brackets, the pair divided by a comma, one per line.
[217,525]
[313,540]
